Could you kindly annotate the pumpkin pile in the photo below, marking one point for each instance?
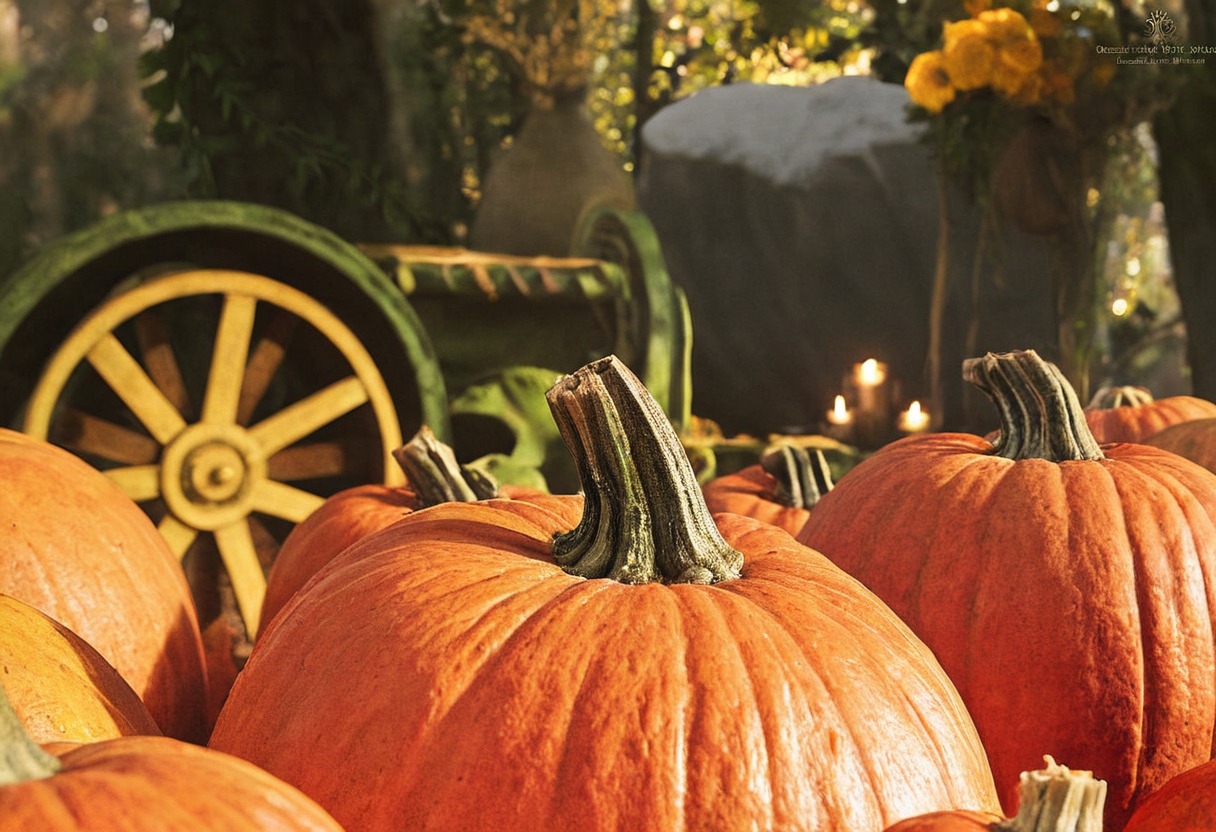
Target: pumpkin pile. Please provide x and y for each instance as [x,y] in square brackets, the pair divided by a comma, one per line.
[772,650]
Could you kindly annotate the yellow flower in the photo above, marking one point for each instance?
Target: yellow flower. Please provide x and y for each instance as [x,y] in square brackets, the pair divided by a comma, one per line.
[928,82]
[969,56]
[1017,46]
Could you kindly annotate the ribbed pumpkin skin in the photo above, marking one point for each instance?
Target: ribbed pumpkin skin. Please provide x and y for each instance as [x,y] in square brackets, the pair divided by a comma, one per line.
[445,674]
[80,550]
[958,821]
[60,687]
[1187,803]
[342,519]
[1072,603]
[752,492]
[1195,440]
[1134,424]
[156,784]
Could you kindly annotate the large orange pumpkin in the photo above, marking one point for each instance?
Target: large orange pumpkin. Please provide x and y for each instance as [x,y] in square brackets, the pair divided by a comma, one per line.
[1131,414]
[141,784]
[781,489]
[1187,803]
[60,687]
[447,673]
[433,476]
[77,548]
[1068,589]
[1050,799]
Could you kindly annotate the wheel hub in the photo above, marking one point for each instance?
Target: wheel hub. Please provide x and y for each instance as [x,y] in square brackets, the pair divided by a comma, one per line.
[208,473]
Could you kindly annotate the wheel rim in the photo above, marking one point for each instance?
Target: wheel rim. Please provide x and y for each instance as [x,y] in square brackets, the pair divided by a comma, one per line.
[216,456]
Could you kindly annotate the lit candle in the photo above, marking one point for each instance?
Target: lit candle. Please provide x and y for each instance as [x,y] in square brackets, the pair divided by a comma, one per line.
[914,419]
[839,414]
[870,373]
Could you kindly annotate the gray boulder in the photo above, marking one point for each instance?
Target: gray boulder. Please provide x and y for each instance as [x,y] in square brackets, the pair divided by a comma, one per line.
[803,224]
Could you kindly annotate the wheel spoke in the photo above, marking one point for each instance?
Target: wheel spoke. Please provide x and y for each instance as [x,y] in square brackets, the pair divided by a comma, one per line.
[139,482]
[305,416]
[85,433]
[137,391]
[316,460]
[157,351]
[178,535]
[284,501]
[264,363]
[240,557]
[232,339]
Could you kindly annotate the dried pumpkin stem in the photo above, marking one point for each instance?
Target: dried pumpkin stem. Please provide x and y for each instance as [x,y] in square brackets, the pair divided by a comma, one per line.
[1041,416]
[1057,799]
[436,477]
[644,519]
[802,478]
[21,758]
[1122,396]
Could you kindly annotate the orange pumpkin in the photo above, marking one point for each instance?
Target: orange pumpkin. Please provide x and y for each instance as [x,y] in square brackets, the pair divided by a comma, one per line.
[433,476]
[1066,587]
[1050,799]
[1130,414]
[781,489]
[1187,803]
[60,687]
[617,662]
[1195,440]
[141,784]
[77,548]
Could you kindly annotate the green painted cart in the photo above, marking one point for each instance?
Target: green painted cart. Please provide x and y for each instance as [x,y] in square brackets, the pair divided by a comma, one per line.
[229,365]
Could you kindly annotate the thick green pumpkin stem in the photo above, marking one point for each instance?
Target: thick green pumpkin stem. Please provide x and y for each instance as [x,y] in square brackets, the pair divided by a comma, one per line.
[644,519]
[1041,416]
[436,477]
[21,758]
[1057,799]
[1123,396]
[802,478]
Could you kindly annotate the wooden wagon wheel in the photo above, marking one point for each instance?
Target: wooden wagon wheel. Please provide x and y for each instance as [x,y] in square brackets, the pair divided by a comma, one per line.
[218,457]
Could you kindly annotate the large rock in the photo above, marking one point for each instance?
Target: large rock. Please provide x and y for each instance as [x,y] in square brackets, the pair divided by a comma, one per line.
[802,223]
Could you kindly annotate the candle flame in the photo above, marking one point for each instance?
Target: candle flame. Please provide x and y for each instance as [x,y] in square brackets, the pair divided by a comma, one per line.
[838,408]
[869,372]
[914,414]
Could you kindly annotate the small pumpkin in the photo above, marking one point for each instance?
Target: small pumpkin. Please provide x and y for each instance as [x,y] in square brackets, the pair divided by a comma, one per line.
[79,549]
[140,784]
[1064,586]
[1051,799]
[780,489]
[615,662]
[1131,414]
[1187,803]
[1195,440]
[60,687]
[432,475]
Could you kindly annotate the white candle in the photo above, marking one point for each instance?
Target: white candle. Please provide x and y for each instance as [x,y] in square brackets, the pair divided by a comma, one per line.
[839,414]
[914,420]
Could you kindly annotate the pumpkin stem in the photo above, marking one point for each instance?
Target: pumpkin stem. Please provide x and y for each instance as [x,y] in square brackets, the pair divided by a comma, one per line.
[1121,396]
[801,478]
[21,758]
[1057,799]
[436,477]
[1041,416]
[644,519]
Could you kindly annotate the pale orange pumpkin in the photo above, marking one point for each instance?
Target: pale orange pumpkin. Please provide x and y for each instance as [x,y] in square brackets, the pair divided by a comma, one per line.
[77,548]
[61,688]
